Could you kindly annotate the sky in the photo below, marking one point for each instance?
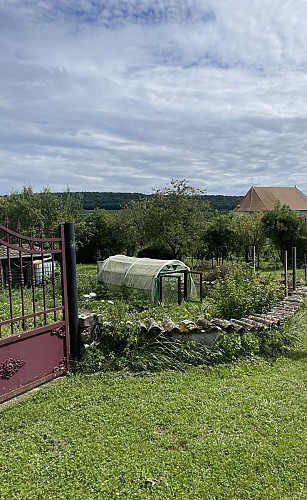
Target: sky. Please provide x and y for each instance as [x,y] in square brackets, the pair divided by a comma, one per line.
[126,95]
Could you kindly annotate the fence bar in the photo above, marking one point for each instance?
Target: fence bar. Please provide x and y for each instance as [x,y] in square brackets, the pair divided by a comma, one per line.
[286,271]
[179,290]
[72,291]
[185,286]
[10,284]
[294,268]
[160,289]
[254,256]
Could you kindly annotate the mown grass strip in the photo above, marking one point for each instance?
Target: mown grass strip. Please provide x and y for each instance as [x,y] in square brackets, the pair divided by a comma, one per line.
[228,432]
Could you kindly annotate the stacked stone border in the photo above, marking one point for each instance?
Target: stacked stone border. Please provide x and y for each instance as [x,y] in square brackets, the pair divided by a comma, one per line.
[91,325]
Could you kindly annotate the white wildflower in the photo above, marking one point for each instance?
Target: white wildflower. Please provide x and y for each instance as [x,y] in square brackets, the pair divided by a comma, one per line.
[110,302]
[92,294]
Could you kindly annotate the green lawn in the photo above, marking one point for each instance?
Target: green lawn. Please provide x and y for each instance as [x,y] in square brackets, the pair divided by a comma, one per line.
[236,432]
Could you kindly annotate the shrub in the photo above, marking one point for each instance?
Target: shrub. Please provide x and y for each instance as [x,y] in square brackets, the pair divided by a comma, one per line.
[155,252]
[243,292]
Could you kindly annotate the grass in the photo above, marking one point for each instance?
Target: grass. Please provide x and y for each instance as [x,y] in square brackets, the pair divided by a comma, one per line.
[228,432]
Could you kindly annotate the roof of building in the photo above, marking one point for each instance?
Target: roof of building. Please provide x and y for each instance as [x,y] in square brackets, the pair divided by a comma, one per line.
[265,198]
[15,254]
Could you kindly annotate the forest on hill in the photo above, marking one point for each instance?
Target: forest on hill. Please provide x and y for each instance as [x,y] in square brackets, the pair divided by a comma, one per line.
[117,201]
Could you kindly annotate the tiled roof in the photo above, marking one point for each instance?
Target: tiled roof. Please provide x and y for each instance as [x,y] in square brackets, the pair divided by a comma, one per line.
[265,198]
[13,253]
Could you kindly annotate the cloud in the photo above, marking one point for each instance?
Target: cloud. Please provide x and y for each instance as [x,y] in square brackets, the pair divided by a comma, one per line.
[125,95]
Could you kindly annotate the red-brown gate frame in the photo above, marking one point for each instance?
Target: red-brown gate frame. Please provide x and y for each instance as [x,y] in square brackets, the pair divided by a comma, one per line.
[31,357]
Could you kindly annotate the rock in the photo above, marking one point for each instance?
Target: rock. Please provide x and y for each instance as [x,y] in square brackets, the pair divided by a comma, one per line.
[153,327]
[87,320]
[170,327]
[187,326]
[204,324]
[224,324]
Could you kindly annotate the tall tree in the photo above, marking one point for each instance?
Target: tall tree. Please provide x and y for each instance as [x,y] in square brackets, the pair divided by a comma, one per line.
[175,217]
[286,229]
[248,231]
[218,238]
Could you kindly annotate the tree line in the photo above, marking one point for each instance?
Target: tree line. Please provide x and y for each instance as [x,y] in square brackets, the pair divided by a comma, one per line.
[177,221]
[118,201]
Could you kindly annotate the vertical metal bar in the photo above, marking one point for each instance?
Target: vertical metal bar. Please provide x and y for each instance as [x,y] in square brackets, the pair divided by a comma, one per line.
[160,289]
[286,271]
[305,267]
[72,292]
[22,284]
[53,283]
[44,288]
[9,283]
[254,256]
[294,268]
[201,286]
[1,276]
[53,272]
[179,290]
[33,285]
[185,286]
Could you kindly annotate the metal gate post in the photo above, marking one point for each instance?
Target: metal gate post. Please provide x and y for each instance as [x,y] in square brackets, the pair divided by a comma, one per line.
[72,290]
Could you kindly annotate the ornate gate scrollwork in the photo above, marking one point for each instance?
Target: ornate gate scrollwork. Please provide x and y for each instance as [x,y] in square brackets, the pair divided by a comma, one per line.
[10,366]
[61,366]
[59,332]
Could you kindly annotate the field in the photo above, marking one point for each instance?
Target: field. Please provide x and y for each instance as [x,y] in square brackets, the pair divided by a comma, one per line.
[228,432]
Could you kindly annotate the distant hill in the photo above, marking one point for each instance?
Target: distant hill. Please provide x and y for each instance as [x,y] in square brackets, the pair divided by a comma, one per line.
[117,201]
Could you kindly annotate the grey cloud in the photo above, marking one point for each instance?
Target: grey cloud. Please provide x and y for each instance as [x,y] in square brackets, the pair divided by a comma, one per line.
[209,91]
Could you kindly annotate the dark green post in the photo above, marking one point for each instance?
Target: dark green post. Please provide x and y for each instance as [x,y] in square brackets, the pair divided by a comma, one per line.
[294,268]
[72,290]
[286,271]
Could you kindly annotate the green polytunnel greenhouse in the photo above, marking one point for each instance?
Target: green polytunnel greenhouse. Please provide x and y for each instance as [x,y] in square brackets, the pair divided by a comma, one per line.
[142,275]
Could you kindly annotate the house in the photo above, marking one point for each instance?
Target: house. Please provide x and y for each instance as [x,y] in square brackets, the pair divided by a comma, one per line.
[260,199]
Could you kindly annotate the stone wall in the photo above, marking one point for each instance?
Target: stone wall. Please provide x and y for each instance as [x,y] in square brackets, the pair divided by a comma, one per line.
[202,330]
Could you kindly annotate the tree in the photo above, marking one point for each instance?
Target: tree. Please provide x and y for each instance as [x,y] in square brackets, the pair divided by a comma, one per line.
[45,209]
[286,229]
[97,236]
[218,238]
[248,232]
[174,217]
[130,226]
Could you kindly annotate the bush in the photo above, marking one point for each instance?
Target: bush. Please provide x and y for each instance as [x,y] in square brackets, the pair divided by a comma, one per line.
[242,292]
[156,252]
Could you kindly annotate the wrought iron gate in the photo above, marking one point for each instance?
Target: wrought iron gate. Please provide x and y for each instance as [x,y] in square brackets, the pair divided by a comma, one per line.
[34,342]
